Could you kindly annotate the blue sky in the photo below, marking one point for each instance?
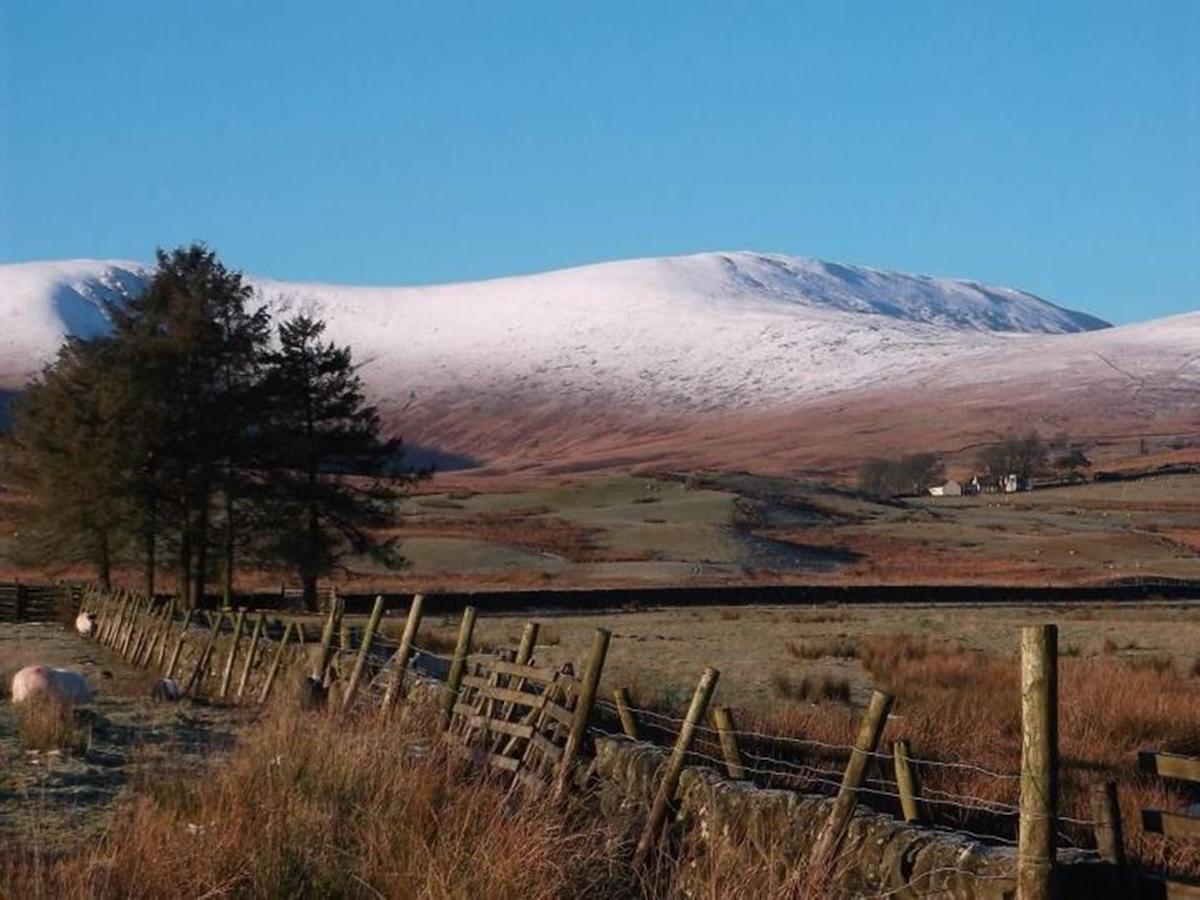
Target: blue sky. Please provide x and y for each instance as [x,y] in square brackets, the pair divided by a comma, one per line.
[1051,146]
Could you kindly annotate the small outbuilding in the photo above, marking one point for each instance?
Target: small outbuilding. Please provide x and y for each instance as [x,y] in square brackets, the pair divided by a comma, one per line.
[950,489]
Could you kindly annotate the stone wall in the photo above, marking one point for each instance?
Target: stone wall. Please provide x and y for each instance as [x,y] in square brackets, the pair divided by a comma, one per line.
[745,825]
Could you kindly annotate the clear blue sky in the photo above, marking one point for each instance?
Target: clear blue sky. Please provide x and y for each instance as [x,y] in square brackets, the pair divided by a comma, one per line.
[1052,146]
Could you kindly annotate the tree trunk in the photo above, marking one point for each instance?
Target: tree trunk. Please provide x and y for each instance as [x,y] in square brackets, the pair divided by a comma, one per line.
[204,499]
[150,545]
[150,526]
[103,562]
[308,580]
[229,546]
[185,560]
[308,576]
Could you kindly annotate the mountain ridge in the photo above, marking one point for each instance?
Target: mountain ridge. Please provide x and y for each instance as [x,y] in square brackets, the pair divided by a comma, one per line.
[543,368]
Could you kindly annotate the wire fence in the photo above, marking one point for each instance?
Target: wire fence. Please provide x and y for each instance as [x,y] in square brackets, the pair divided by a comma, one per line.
[962,798]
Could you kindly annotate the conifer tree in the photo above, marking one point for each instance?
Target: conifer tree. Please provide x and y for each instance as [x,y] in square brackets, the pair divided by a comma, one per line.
[330,481]
[193,344]
[70,439]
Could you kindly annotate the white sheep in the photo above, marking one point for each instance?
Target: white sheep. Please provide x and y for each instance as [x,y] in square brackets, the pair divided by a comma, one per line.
[85,623]
[62,685]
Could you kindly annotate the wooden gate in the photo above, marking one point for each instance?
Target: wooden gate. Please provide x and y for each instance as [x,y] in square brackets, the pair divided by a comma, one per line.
[524,719]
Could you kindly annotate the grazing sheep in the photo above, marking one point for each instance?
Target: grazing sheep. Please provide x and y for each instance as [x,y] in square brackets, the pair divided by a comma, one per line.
[167,689]
[56,684]
[85,623]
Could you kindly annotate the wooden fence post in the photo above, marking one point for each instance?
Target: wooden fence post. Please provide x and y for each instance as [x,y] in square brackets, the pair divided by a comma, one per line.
[403,653]
[1110,838]
[364,653]
[906,781]
[198,671]
[529,636]
[162,635]
[121,599]
[321,671]
[625,713]
[118,627]
[274,670]
[169,672]
[1039,761]
[133,637]
[865,744]
[166,635]
[239,623]
[674,765]
[255,636]
[458,665]
[723,719]
[154,631]
[583,708]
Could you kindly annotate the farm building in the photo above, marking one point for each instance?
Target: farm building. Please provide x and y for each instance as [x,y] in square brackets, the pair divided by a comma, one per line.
[950,489]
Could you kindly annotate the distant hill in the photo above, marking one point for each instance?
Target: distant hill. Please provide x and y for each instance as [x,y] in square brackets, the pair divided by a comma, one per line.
[722,359]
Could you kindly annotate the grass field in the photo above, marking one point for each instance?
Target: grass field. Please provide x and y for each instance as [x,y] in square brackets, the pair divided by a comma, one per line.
[627,530]
[1130,681]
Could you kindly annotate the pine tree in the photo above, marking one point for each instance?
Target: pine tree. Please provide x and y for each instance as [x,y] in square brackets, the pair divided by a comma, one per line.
[333,478]
[70,436]
[192,345]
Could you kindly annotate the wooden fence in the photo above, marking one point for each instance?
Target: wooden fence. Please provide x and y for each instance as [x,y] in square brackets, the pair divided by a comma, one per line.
[1171,825]
[531,723]
[34,603]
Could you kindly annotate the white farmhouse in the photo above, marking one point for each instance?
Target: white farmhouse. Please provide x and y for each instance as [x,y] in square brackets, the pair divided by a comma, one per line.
[950,489]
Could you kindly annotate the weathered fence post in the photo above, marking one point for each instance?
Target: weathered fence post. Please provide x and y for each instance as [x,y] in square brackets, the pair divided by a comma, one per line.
[723,719]
[458,665]
[169,672]
[865,745]
[364,653]
[255,636]
[269,682]
[529,636]
[906,781]
[200,669]
[583,707]
[1110,838]
[321,671]
[625,713]
[137,628]
[403,653]
[157,632]
[1039,761]
[674,765]
[239,623]
[166,631]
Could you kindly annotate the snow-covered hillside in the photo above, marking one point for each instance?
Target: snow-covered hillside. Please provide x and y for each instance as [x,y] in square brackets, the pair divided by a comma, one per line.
[716,358]
[708,331]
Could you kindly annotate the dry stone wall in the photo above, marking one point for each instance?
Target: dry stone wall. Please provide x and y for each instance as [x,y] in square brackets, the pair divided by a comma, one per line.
[746,825]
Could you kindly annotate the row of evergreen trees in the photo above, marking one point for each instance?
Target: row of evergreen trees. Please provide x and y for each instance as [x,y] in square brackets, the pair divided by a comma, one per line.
[194,437]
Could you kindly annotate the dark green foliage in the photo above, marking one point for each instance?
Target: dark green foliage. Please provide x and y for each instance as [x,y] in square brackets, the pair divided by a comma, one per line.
[183,436]
[327,491]
[69,433]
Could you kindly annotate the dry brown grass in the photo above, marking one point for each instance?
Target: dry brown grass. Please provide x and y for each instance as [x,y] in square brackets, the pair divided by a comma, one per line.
[805,689]
[50,725]
[311,806]
[954,704]
[840,647]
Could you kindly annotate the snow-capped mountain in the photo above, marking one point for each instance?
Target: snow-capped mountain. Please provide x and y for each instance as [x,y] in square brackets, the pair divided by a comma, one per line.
[504,365]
